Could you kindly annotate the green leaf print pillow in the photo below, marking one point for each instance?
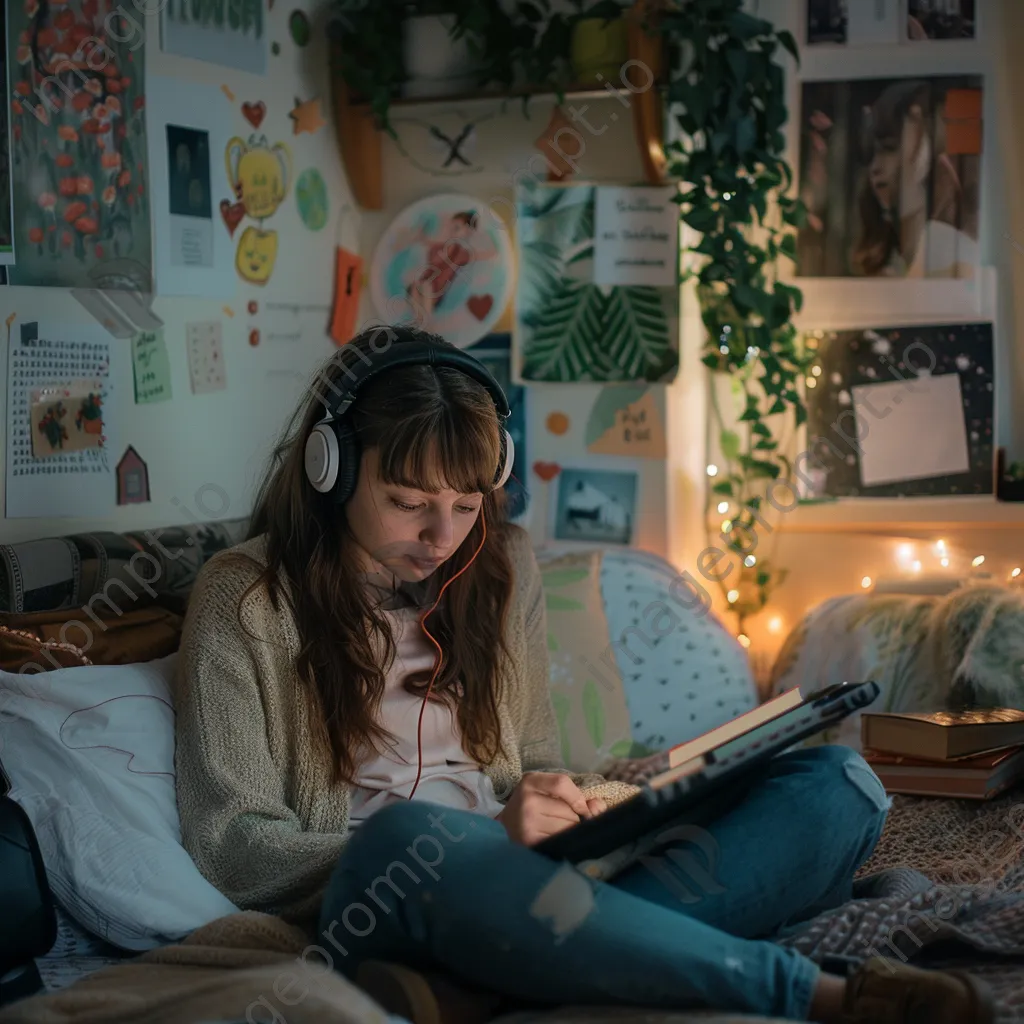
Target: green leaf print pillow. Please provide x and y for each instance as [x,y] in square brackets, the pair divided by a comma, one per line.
[586,686]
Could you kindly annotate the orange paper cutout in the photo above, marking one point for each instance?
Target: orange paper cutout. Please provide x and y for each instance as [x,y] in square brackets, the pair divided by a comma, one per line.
[560,144]
[348,282]
[306,116]
[963,138]
[963,104]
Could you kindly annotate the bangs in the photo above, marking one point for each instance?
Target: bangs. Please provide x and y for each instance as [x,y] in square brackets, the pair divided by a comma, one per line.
[430,454]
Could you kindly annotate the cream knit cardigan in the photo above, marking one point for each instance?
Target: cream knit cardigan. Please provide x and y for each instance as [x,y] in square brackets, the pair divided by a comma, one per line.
[259,813]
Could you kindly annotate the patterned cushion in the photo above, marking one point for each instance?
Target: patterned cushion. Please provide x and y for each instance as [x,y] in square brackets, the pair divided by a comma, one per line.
[632,670]
[683,673]
[587,692]
[129,568]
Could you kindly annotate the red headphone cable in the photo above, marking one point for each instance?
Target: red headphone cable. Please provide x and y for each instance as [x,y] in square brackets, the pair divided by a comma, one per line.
[440,653]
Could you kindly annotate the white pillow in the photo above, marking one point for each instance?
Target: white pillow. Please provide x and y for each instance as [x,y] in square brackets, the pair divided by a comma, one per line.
[90,753]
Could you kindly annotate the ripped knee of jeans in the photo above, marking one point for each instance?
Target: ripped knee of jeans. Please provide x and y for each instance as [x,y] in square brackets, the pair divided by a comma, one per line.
[564,903]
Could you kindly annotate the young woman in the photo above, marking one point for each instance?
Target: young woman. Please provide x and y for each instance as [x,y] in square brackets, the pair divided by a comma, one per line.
[366,740]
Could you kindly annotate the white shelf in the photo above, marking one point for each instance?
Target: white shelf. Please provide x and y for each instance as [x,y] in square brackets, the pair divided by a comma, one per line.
[903,515]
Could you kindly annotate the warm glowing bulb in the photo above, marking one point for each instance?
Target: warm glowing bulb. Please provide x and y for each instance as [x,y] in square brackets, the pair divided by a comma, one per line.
[978,561]
[916,566]
[733,596]
[905,552]
[712,470]
[816,371]
[749,561]
[944,562]
[940,546]
[775,624]
[866,582]
[726,525]
[723,506]
[744,640]
[1014,574]
[811,382]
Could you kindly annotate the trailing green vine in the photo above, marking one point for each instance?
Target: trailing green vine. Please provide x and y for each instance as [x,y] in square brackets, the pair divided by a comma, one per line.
[730,92]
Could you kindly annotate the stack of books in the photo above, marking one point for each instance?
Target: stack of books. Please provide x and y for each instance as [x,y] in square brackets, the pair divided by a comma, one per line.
[973,754]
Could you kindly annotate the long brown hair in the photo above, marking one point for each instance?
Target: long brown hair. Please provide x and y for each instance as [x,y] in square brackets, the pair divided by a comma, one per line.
[432,427]
[882,128]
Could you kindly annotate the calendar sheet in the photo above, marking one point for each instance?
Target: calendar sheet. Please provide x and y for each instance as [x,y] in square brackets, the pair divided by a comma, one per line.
[80,484]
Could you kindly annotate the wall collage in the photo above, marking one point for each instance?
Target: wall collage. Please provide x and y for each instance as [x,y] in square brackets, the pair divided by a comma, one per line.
[119,183]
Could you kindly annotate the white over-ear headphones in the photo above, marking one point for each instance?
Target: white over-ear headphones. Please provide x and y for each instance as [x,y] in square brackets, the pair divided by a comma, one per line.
[332,449]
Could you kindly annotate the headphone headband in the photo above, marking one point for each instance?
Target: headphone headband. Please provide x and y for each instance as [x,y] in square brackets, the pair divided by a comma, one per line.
[410,351]
[332,451]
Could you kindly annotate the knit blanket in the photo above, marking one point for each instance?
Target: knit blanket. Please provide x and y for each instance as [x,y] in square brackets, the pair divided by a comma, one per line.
[944,888]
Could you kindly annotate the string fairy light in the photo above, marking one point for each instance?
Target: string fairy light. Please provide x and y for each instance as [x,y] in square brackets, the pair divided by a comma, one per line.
[744,640]
[775,624]
[733,596]
[723,507]
[712,469]
[1015,573]
[866,582]
[979,560]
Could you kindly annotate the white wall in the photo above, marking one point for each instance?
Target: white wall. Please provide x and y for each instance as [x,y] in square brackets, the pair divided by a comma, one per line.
[220,438]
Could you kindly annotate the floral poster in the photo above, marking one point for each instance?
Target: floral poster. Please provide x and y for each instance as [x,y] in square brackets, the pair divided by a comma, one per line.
[6,224]
[568,327]
[78,145]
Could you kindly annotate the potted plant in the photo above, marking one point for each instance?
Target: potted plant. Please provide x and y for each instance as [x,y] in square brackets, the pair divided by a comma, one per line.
[90,414]
[599,44]
[438,58]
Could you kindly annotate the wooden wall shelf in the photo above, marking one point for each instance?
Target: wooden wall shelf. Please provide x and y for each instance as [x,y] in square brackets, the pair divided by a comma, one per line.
[359,137]
[903,516]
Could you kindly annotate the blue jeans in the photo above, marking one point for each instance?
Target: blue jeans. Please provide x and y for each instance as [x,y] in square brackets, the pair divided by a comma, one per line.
[434,887]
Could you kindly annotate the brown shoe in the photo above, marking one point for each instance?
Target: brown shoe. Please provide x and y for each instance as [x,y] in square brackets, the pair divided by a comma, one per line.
[424,998]
[883,991]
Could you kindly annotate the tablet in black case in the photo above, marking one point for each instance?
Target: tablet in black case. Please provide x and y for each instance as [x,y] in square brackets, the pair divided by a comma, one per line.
[700,790]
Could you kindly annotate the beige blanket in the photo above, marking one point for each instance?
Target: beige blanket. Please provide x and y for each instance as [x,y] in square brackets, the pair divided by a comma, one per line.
[246,967]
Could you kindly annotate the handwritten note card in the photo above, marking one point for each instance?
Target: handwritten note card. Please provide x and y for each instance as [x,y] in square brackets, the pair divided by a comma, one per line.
[151,367]
[636,236]
[205,357]
[626,421]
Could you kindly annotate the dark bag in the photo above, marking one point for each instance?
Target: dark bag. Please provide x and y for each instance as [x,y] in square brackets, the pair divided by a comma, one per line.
[28,919]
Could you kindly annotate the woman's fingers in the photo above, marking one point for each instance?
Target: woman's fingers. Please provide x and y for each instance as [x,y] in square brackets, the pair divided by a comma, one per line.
[561,787]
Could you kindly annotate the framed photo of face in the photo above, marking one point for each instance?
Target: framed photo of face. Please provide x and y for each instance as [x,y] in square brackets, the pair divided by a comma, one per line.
[890,172]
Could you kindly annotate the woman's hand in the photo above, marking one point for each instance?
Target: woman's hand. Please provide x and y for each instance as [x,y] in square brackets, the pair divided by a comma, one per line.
[545,803]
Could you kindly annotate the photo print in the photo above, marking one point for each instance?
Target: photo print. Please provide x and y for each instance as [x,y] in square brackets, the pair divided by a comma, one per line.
[940,19]
[826,21]
[190,202]
[596,506]
[890,171]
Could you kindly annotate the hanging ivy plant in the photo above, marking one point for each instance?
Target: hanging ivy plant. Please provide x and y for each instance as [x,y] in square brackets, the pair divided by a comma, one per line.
[731,94]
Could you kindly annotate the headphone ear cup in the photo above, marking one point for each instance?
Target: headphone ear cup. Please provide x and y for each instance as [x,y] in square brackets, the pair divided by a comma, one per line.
[348,464]
[321,457]
[508,451]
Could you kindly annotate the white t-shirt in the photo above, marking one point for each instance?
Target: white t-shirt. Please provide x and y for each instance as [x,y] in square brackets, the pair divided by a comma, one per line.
[449,776]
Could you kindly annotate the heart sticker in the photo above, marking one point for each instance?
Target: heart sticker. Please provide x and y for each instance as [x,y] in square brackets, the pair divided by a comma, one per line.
[547,470]
[232,214]
[480,305]
[254,113]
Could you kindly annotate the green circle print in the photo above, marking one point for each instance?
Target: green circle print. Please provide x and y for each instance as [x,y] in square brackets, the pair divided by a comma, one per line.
[298,25]
[311,193]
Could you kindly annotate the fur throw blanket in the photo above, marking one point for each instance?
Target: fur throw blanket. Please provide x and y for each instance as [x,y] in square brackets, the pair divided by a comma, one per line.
[927,653]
